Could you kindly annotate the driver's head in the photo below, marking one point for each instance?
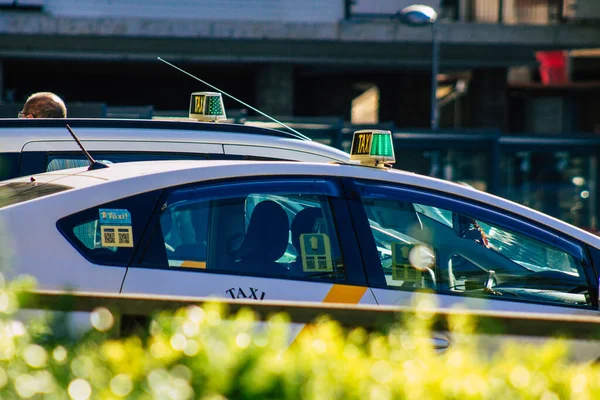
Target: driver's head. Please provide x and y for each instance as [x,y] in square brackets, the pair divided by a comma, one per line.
[44,105]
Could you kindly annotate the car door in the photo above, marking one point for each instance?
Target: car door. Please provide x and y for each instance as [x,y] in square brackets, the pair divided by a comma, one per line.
[284,238]
[458,252]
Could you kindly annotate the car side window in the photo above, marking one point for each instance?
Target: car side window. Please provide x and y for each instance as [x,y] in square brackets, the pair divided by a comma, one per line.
[273,229]
[60,161]
[454,248]
[110,233]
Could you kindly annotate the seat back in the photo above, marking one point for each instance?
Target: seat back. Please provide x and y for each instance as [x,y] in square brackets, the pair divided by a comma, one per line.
[304,222]
[266,238]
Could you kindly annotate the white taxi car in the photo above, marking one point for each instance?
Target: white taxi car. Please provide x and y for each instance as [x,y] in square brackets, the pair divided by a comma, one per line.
[31,146]
[294,231]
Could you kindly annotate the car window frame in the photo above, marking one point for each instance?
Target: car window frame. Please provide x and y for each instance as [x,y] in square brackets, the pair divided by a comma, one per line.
[36,162]
[489,213]
[145,202]
[340,214]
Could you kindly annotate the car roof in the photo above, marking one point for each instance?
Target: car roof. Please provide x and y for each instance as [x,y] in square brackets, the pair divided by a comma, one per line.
[16,133]
[126,179]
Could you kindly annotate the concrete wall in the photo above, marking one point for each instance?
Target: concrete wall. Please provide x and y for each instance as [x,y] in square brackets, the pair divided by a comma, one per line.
[240,10]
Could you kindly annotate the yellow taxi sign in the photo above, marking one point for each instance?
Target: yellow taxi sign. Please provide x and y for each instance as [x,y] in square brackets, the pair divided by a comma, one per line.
[207,107]
[373,147]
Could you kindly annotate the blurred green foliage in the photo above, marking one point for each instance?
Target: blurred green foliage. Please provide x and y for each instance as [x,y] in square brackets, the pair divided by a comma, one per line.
[204,353]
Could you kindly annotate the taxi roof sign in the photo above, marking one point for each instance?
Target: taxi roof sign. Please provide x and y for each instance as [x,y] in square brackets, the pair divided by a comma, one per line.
[207,107]
[373,148]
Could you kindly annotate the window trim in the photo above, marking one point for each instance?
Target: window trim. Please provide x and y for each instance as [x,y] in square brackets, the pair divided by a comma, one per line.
[66,224]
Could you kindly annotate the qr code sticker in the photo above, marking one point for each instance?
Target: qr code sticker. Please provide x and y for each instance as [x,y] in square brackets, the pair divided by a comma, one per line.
[315,251]
[124,237]
[411,274]
[407,273]
[322,264]
[117,236]
[109,236]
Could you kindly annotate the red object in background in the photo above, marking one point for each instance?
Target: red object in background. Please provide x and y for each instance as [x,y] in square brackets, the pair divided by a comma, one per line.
[553,66]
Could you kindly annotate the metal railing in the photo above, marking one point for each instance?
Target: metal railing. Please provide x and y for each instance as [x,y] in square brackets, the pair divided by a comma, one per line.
[369,317]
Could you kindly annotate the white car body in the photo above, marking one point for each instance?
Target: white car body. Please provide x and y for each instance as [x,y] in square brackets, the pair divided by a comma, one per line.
[29,145]
[32,230]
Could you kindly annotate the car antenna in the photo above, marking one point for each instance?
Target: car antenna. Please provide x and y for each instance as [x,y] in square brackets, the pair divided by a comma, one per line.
[93,163]
[295,132]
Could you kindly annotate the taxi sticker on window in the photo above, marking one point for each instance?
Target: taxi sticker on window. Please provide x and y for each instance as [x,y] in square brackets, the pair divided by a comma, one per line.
[114,216]
[402,269]
[316,252]
[115,227]
[116,236]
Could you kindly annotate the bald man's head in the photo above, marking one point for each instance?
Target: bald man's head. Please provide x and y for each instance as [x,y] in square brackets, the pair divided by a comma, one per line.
[44,105]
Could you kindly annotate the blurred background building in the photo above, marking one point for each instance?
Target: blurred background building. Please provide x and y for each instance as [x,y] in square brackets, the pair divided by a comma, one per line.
[509,69]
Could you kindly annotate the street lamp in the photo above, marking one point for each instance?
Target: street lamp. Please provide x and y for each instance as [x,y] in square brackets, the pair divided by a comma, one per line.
[421,15]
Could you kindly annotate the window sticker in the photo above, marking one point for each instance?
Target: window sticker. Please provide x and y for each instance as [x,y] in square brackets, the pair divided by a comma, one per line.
[402,269]
[316,252]
[116,236]
[114,216]
[115,227]
[187,264]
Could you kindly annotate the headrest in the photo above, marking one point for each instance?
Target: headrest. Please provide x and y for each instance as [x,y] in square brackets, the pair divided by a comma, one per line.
[267,235]
[304,223]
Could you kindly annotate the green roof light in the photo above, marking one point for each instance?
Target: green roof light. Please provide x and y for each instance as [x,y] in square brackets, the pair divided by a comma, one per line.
[214,106]
[381,145]
[207,107]
[373,147]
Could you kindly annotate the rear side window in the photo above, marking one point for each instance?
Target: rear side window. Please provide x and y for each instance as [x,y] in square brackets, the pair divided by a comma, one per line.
[110,233]
[62,161]
[18,192]
[279,229]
